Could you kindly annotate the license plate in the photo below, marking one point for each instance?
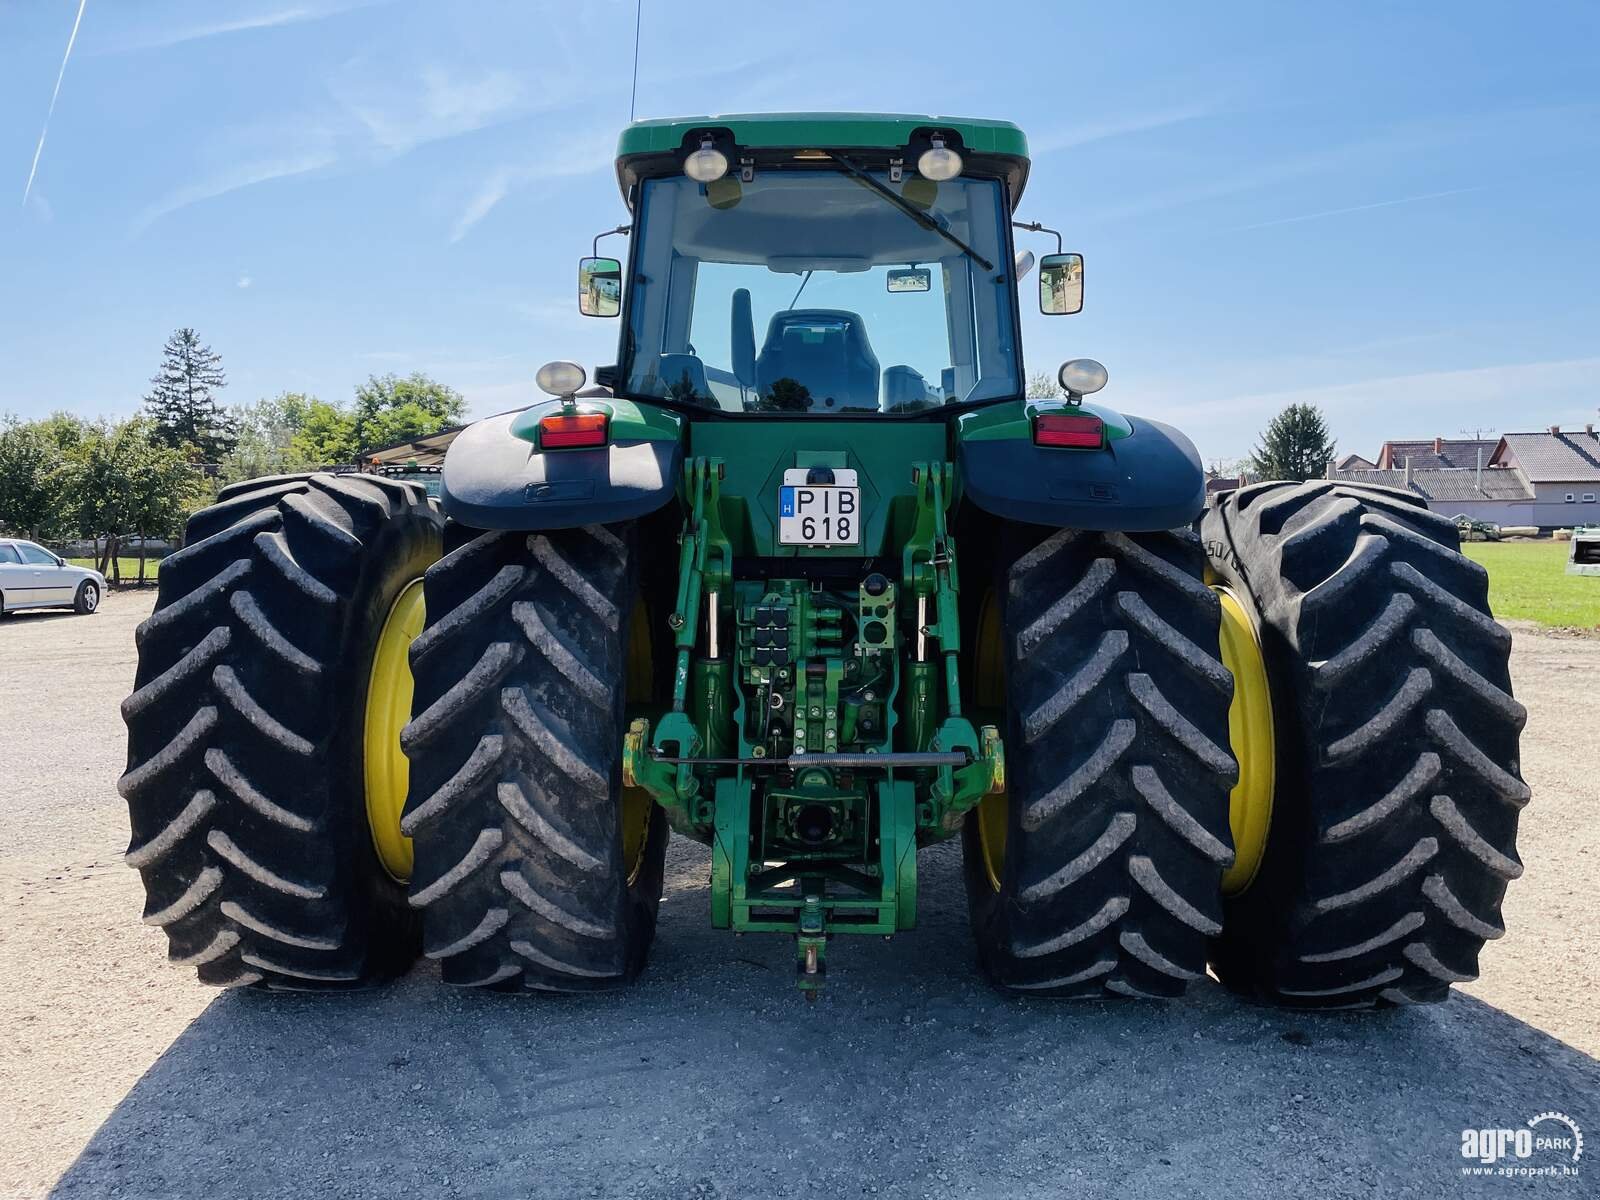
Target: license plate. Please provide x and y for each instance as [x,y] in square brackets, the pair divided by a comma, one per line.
[819,514]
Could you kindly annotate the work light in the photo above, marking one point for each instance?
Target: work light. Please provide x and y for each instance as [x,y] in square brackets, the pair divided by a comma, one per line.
[560,378]
[1081,376]
[706,164]
[939,162]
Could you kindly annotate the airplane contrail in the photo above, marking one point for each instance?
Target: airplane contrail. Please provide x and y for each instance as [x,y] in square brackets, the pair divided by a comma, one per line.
[39,149]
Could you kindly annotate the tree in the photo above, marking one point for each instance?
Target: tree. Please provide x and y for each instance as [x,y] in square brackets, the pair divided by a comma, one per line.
[32,479]
[1043,386]
[183,401]
[164,487]
[100,485]
[327,435]
[390,409]
[1296,446]
[128,482]
[267,432]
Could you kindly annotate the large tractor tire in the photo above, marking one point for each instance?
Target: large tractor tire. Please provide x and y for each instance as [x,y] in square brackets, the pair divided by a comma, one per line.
[1098,872]
[248,766]
[536,870]
[1385,832]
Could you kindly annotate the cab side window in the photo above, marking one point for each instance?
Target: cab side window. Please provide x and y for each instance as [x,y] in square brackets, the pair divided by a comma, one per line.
[32,554]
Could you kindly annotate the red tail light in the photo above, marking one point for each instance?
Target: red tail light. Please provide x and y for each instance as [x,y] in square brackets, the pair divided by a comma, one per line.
[1078,431]
[572,431]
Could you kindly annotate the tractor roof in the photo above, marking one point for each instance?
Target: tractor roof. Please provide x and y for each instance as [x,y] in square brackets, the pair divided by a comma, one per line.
[644,140]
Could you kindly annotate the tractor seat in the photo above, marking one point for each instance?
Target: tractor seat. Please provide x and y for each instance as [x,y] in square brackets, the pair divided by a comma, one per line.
[826,351]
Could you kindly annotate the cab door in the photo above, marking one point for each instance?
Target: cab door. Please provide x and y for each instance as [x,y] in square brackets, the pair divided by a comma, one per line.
[50,583]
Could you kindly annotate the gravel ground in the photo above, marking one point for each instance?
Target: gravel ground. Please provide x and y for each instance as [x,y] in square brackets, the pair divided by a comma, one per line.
[119,1075]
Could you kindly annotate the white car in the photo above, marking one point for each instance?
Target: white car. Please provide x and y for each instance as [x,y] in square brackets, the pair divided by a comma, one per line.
[32,577]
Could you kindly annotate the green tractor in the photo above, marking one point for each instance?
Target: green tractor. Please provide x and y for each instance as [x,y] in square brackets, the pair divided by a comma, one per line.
[806,578]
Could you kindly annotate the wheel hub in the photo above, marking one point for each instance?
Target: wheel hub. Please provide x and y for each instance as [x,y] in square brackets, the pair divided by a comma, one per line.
[1251,734]
[388,708]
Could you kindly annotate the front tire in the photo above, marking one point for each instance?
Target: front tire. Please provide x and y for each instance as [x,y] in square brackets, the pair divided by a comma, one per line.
[246,768]
[1398,786]
[1116,819]
[535,869]
[88,598]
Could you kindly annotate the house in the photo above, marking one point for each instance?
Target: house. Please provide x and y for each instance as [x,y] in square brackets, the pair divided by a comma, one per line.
[1354,462]
[1448,453]
[1550,480]
[1562,471]
[1487,495]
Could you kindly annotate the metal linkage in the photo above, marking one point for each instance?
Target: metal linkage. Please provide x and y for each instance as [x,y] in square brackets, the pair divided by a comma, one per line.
[930,570]
[814,733]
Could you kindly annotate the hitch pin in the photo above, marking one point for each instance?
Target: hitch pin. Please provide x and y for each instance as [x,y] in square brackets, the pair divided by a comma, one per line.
[922,628]
[711,623]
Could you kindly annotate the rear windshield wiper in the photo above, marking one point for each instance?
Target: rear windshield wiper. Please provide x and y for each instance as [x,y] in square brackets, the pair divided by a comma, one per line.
[910,210]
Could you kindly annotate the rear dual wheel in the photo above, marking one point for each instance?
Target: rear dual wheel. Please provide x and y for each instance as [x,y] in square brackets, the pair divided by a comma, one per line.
[535,868]
[1381,783]
[1098,872]
[261,732]
[266,782]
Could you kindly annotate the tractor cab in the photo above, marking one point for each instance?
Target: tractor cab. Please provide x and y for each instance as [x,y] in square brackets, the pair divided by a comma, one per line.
[828,276]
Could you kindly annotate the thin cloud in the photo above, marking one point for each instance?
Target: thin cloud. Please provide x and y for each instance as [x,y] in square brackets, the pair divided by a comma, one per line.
[1113,127]
[577,157]
[231,181]
[1364,412]
[374,125]
[399,116]
[268,20]
[51,111]
[1218,179]
[1355,208]
[1415,394]
[490,192]
[244,282]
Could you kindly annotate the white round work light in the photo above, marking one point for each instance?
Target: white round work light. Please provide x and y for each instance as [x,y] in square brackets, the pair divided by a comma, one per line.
[1082,376]
[939,162]
[560,378]
[706,164]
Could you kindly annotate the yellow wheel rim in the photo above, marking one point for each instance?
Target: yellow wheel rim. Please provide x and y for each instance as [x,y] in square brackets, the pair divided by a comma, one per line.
[989,687]
[388,771]
[1251,735]
[636,802]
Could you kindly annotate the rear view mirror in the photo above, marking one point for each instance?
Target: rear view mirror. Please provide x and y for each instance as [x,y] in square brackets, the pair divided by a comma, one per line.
[910,279]
[1061,284]
[599,287]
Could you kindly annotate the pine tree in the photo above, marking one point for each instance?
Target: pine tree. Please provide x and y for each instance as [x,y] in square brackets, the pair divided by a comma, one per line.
[183,401]
[1296,446]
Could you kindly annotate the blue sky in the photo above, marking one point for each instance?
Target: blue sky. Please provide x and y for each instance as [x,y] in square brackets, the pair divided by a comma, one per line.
[1388,209]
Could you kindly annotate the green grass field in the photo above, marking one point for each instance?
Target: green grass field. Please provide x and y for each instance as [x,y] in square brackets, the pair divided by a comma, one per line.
[1528,582]
[127,567]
